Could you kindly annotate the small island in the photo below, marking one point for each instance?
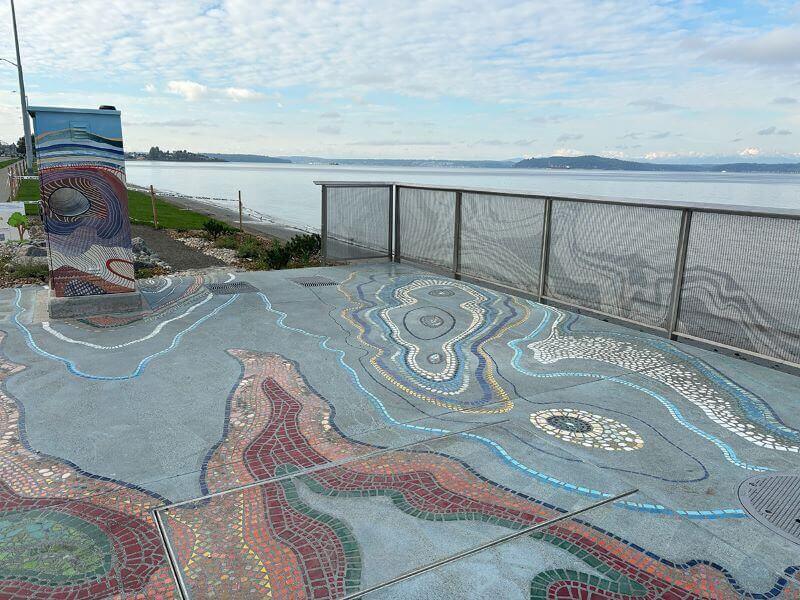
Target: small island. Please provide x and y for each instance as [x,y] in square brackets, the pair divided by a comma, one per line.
[157,153]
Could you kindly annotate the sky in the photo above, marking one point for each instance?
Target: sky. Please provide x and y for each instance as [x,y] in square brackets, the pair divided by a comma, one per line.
[643,79]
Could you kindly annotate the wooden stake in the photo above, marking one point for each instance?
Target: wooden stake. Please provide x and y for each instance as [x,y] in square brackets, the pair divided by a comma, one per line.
[240,211]
[155,213]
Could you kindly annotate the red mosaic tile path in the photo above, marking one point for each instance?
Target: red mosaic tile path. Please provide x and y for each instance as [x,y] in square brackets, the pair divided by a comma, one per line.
[108,521]
[266,540]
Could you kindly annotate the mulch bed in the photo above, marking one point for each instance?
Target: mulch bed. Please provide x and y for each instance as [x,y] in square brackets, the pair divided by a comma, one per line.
[177,255]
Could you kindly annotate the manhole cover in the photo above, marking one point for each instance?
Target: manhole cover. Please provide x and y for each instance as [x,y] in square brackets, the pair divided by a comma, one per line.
[774,501]
[315,281]
[234,287]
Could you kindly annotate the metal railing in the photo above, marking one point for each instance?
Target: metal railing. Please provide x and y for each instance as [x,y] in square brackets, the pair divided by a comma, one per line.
[721,276]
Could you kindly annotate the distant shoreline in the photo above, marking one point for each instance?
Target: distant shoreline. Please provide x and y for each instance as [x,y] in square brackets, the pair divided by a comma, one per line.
[252,221]
[587,162]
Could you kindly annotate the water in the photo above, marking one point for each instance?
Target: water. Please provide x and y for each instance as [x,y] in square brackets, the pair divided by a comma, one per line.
[287,192]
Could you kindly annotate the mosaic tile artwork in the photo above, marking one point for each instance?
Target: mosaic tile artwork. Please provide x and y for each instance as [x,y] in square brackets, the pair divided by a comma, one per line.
[64,534]
[293,407]
[587,429]
[266,540]
[84,201]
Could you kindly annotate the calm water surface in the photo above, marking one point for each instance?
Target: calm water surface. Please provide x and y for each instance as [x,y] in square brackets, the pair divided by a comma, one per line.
[287,193]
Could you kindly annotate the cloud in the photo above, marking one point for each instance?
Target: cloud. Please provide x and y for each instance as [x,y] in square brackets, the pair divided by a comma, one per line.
[785,100]
[567,152]
[504,143]
[585,62]
[567,137]
[242,94]
[170,123]
[661,136]
[400,143]
[190,90]
[778,47]
[750,152]
[774,131]
[330,115]
[654,105]
[330,129]
[193,91]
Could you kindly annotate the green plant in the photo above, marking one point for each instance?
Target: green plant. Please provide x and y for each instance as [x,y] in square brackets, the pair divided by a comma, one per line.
[216,228]
[20,221]
[34,271]
[227,241]
[277,256]
[302,247]
[250,248]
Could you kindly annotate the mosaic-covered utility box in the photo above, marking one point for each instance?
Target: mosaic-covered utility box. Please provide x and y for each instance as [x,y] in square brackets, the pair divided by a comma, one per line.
[84,201]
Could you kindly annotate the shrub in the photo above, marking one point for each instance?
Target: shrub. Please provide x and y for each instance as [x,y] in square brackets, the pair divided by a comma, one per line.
[303,247]
[277,256]
[30,272]
[227,241]
[249,248]
[216,228]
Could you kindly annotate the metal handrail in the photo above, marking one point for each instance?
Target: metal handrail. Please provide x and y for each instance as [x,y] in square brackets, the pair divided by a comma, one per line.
[669,329]
[766,211]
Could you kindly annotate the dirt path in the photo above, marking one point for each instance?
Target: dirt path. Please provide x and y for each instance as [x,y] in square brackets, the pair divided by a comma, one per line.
[177,255]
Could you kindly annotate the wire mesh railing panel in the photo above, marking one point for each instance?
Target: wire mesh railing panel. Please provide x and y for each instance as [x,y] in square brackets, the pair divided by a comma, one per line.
[741,283]
[427,222]
[501,239]
[358,223]
[613,258]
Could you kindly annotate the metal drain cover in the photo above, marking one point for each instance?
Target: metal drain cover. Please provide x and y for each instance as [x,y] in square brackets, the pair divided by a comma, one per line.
[774,501]
[315,281]
[234,287]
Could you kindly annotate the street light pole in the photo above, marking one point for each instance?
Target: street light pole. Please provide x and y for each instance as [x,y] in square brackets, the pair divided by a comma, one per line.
[26,125]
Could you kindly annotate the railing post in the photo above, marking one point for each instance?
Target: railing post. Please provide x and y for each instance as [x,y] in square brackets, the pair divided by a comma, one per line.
[324,226]
[390,242]
[545,258]
[397,250]
[680,269]
[457,238]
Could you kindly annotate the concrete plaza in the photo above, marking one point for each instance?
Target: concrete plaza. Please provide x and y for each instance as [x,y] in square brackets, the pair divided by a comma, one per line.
[318,433]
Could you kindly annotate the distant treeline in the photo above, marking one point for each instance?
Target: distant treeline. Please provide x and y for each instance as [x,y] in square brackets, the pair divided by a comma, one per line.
[614,164]
[553,162]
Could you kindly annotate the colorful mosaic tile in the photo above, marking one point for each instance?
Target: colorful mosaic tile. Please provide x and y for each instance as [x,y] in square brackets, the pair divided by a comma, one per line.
[266,540]
[65,534]
[587,429]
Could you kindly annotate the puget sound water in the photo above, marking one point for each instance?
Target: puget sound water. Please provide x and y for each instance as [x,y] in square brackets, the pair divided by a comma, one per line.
[287,194]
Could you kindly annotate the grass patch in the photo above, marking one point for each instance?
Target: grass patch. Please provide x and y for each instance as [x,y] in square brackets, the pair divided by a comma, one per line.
[169,215]
[28,190]
[5,163]
[140,208]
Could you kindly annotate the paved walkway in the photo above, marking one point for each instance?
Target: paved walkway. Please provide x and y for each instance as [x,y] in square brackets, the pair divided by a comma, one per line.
[319,441]
[5,191]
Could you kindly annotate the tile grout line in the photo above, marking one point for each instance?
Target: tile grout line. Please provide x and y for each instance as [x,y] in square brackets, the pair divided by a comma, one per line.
[486,546]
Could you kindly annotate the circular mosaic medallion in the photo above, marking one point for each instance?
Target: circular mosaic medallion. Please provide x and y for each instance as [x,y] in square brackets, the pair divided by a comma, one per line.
[441,292]
[432,321]
[587,429]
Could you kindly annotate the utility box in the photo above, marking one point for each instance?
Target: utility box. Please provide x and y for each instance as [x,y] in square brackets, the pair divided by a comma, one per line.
[84,209]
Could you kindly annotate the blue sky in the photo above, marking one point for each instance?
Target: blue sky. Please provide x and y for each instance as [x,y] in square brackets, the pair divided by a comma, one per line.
[660,80]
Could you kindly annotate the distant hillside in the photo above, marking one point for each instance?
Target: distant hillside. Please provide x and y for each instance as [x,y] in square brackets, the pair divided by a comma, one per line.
[614,164]
[253,158]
